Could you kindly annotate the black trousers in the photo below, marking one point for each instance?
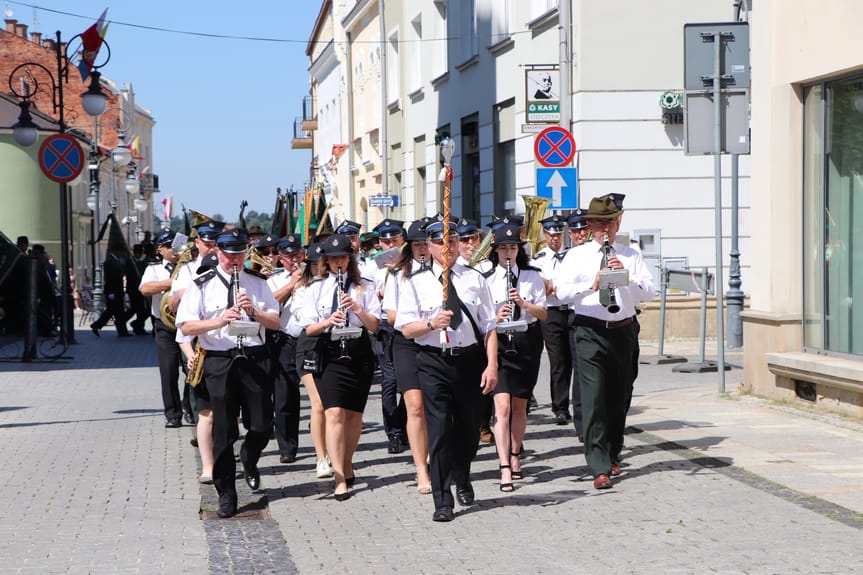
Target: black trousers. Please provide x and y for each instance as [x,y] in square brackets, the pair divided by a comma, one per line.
[606,377]
[114,307]
[168,353]
[393,409]
[555,332]
[233,383]
[286,391]
[575,401]
[451,398]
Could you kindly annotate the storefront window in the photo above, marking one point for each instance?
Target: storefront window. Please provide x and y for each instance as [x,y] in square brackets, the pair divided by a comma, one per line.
[833,217]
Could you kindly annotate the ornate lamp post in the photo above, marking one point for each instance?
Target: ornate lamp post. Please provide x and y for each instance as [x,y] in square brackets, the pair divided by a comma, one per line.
[26,133]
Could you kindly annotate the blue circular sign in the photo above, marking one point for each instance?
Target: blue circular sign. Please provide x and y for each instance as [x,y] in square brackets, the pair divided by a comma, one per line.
[61,158]
[554,147]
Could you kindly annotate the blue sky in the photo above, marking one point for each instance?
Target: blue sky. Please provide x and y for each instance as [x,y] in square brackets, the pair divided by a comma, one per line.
[224,108]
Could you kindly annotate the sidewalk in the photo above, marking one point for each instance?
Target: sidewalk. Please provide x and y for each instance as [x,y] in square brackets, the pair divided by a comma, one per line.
[93,483]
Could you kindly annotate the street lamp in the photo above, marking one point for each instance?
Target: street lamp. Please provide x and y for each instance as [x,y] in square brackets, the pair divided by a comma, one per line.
[26,133]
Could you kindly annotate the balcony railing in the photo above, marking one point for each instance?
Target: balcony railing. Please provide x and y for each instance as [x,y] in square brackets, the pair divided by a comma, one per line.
[302,137]
[150,183]
[310,118]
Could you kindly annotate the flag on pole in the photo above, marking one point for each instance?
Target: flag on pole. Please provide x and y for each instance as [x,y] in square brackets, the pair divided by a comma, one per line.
[135,148]
[167,208]
[91,42]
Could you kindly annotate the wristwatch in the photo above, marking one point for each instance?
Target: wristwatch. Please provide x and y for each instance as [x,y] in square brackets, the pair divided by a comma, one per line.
[253,314]
[429,325]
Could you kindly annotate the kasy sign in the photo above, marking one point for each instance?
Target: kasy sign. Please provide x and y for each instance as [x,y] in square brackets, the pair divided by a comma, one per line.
[544,112]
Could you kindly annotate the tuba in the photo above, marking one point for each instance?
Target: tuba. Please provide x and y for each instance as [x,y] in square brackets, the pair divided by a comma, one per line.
[259,263]
[196,372]
[534,210]
[167,316]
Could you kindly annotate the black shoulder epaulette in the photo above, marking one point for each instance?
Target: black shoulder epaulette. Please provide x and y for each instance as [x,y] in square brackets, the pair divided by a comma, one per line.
[277,271]
[419,271]
[205,277]
[314,280]
[539,255]
[487,274]
[255,273]
[155,263]
[559,255]
[532,268]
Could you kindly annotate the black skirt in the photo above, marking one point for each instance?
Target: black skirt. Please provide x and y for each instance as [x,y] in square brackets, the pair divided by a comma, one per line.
[517,374]
[345,382]
[405,362]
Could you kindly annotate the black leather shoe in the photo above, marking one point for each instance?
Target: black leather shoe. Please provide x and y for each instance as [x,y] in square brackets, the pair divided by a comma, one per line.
[227,507]
[250,472]
[395,445]
[560,418]
[342,496]
[194,442]
[287,458]
[95,330]
[442,515]
[464,494]
[173,423]
[189,418]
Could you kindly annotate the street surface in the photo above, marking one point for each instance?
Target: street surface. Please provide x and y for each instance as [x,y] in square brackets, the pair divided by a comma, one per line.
[92,482]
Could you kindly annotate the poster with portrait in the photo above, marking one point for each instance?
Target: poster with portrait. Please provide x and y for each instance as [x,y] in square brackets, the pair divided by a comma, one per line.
[542,94]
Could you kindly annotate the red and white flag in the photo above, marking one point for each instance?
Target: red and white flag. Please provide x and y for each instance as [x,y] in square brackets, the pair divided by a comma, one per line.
[167,208]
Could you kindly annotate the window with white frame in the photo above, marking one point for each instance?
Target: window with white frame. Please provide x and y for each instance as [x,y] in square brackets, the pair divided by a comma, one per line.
[415,54]
[501,23]
[439,39]
[541,7]
[393,65]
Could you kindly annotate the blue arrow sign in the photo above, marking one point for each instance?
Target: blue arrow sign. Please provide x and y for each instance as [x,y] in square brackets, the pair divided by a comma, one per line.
[560,185]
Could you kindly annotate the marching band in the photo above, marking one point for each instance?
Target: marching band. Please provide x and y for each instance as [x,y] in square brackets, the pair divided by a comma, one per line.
[455,322]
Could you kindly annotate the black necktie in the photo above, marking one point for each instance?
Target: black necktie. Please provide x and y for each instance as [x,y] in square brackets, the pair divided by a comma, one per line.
[512,280]
[231,292]
[453,303]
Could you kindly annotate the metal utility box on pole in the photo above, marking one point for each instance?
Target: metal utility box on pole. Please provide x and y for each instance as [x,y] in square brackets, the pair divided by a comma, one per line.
[716,76]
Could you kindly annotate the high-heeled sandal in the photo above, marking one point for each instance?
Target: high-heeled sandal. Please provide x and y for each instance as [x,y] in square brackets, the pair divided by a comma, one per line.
[506,487]
[517,473]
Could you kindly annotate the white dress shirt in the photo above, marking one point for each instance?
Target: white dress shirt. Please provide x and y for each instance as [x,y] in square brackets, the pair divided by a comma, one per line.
[156,272]
[548,261]
[422,297]
[318,301]
[576,274]
[209,300]
[530,286]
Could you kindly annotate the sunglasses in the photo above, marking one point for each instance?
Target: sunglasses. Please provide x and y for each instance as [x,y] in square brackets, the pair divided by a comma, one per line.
[469,239]
[267,251]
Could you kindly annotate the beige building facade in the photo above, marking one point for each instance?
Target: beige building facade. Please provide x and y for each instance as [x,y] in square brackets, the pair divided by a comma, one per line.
[803,334]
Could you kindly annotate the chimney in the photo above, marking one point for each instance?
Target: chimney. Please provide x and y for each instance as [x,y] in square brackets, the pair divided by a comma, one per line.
[48,43]
[10,25]
[36,37]
[21,30]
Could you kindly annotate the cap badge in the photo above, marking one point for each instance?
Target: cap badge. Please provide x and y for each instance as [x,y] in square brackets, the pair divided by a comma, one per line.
[509,232]
[335,241]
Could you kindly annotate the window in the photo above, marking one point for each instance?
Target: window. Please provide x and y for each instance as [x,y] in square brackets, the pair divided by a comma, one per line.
[415,55]
[393,64]
[468,30]
[470,189]
[438,41]
[541,7]
[504,158]
[501,21]
[833,216]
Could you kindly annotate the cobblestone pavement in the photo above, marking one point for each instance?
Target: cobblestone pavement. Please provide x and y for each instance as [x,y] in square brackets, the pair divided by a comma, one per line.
[93,483]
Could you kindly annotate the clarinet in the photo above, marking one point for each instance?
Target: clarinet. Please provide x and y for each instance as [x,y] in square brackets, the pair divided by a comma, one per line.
[612,305]
[235,282]
[340,292]
[510,350]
